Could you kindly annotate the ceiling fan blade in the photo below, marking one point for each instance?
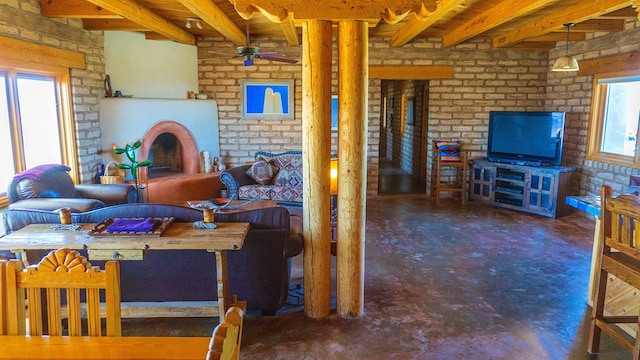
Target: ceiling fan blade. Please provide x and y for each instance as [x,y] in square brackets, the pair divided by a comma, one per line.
[277,57]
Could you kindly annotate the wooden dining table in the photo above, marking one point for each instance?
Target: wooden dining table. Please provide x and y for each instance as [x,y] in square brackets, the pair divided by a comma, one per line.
[178,236]
[102,347]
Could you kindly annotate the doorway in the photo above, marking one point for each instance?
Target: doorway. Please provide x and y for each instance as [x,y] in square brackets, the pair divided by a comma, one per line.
[403,137]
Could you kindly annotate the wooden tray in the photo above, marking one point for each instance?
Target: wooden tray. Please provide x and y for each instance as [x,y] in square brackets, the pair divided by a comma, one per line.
[100,229]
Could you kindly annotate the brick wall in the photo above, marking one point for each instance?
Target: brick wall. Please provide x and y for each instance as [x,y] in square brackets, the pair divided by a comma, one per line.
[484,80]
[572,93]
[21,19]
[220,75]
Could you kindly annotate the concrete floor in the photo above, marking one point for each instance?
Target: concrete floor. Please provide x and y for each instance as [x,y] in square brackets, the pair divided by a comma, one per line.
[441,282]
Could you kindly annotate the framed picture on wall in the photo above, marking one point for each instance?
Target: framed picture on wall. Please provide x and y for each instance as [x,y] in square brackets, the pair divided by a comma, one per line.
[410,110]
[334,112]
[267,99]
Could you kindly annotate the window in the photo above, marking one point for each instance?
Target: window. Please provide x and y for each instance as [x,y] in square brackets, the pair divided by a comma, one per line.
[35,125]
[615,114]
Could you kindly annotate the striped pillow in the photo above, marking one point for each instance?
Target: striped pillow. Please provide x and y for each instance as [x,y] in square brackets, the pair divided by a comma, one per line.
[449,150]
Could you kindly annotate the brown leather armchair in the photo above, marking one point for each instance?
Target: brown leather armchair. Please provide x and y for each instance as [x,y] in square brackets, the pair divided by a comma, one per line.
[49,187]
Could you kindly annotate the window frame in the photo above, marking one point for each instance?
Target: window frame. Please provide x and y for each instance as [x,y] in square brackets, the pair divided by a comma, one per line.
[65,115]
[596,124]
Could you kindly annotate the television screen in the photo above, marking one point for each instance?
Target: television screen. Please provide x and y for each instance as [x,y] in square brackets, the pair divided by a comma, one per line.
[526,138]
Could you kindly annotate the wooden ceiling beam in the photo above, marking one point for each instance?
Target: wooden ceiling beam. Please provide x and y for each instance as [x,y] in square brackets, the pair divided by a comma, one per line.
[626,13]
[130,9]
[605,25]
[495,16]
[623,62]
[577,13]
[288,27]
[210,13]
[410,72]
[534,45]
[75,9]
[559,36]
[332,10]
[636,5]
[284,18]
[423,19]
[112,25]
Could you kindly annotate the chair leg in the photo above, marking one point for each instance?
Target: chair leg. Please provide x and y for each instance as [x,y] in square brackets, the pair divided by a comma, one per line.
[598,311]
[464,183]
[438,181]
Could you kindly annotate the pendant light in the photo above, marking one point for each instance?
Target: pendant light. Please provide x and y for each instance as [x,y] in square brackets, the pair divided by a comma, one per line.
[566,62]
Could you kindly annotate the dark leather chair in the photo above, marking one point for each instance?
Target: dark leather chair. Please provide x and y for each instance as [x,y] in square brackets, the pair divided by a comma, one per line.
[49,187]
[258,273]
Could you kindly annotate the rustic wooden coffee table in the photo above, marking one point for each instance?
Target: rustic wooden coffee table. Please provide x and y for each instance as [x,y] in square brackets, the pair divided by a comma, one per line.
[178,236]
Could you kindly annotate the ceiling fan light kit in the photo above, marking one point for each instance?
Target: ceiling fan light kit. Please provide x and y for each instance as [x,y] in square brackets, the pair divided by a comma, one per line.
[191,21]
[566,62]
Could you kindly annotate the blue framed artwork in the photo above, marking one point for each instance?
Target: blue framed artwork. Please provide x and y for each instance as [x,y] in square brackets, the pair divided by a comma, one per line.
[334,112]
[267,99]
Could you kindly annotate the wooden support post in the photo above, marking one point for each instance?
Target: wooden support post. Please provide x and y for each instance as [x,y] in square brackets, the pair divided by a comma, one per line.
[316,163]
[353,79]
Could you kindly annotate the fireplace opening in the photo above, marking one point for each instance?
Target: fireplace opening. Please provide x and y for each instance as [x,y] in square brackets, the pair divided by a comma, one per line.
[176,147]
[165,155]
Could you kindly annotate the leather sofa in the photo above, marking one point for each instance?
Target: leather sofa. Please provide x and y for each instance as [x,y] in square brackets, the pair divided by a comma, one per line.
[258,273]
[49,187]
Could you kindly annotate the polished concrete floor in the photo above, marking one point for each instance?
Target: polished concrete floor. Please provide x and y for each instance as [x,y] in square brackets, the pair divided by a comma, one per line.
[442,282]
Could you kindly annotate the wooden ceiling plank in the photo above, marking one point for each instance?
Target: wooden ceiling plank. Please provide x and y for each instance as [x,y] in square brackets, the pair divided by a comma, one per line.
[495,16]
[410,72]
[577,13]
[210,13]
[130,9]
[75,9]
[112,25]
[422,20]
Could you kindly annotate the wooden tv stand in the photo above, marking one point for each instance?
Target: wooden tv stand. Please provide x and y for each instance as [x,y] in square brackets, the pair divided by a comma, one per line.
[537,190]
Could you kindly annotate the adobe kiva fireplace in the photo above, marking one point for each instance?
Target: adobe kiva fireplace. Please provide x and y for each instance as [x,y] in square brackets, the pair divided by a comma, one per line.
[171,149]
[173,134]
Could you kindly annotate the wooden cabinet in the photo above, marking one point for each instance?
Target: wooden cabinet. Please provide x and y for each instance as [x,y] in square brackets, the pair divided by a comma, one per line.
[537,190]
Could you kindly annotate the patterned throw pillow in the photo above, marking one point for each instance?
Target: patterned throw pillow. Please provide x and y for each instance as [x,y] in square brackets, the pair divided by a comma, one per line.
[262,171]
[449,150]
[290,173]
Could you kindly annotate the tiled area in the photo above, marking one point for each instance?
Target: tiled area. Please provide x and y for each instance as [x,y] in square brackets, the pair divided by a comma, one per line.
[443,282]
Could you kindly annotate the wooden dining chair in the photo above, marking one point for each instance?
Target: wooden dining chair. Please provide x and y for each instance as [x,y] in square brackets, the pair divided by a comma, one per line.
[618,254]
[226,339]
[61,272]
[449,169]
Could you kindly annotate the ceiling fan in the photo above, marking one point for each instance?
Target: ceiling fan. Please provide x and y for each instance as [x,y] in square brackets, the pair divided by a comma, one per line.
[249,53]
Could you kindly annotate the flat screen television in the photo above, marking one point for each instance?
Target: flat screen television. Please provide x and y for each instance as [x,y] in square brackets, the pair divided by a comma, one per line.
[531,138]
